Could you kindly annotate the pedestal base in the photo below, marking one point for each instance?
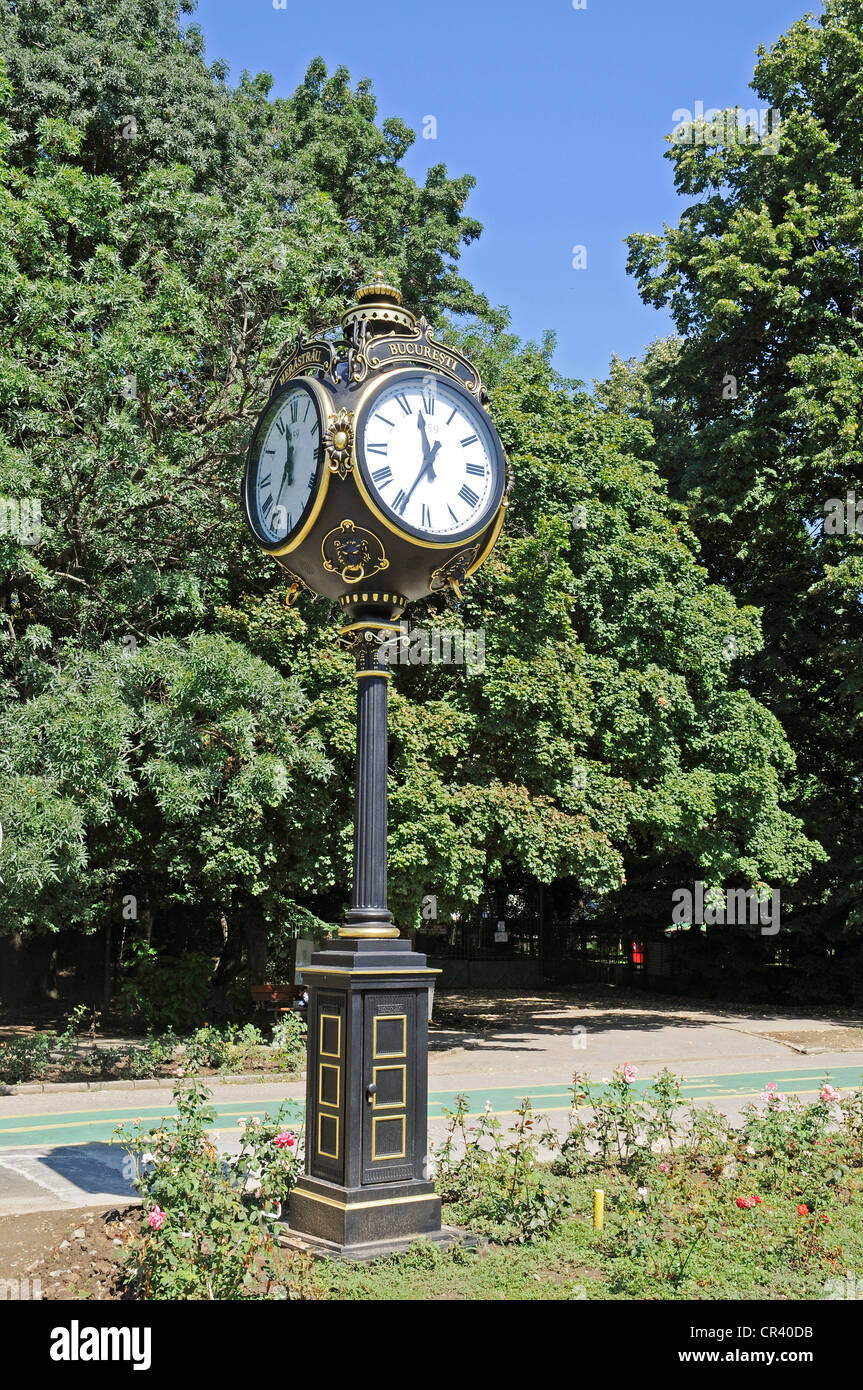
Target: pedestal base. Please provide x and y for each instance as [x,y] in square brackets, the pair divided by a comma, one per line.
[348,1217]
[365,1192]
[375,1250]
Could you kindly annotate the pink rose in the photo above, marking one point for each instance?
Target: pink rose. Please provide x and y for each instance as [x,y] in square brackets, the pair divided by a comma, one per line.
[156,1219]
[285,1140]
[663,1167]
[629,1072]
[829,1093]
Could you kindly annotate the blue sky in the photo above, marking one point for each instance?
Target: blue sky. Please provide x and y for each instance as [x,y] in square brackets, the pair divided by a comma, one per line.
[559,113]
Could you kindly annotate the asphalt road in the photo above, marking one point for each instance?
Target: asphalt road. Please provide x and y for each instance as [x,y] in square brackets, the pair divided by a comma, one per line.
[55,1157]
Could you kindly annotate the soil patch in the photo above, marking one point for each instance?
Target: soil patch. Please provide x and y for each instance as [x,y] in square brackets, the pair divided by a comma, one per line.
[66,1257]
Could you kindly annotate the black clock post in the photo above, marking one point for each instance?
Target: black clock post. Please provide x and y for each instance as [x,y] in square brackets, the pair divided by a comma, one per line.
[366,1189]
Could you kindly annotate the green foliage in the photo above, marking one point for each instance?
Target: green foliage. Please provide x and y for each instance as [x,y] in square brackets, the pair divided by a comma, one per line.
[62,1057]
[498,1184]
[762,275]
[171,733]
[289,1043]
[25,1059]
[206,1224]
[230,1049]
[605,742]
[621,1127]
[168,994]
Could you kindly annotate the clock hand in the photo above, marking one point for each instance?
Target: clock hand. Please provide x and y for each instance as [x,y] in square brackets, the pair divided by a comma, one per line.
[427,468]
[288,474]
[426,446]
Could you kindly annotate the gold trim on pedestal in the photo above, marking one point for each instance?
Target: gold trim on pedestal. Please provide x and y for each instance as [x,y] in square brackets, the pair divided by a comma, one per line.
[369,933]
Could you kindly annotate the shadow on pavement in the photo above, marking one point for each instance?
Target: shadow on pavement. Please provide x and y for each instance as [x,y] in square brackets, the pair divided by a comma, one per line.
[90,1167]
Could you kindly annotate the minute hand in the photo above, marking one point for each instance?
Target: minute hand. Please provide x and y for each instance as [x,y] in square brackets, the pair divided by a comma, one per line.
[429,455]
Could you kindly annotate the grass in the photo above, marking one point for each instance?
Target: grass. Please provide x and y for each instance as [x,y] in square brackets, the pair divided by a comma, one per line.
[576,1262]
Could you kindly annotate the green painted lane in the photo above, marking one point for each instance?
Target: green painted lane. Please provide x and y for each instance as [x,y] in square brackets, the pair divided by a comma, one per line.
[51,1128]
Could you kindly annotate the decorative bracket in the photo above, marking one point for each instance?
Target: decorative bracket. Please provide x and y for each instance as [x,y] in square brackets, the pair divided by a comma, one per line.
[421,347]
[338,442]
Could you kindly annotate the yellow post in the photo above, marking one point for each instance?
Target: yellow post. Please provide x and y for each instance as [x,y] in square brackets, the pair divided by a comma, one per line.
[598,1208]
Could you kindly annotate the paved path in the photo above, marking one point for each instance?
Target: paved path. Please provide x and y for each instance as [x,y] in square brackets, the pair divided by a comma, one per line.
[54,1152]
[60,1159]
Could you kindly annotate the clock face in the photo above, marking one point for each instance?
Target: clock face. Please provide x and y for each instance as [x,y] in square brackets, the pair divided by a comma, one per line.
[284,462]
[430,458]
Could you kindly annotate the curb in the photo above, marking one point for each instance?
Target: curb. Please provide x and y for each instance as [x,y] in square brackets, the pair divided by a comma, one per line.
[160,1083]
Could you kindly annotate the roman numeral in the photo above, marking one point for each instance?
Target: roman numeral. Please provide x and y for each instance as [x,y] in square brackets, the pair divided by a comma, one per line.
[308,406]
[468,495]
[426,518]
[428,402]
[454,413]
[268,504]
[314,429]
[384,421]
[295,410]
[280,426]
[400,503]
[377,449]
[383,476]
[265,482]
[269,451]
[405,404]
[452,514]
[471,439]
[476,469]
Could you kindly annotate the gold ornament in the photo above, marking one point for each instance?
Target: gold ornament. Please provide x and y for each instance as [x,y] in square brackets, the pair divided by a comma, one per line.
[453,573]
[353,553]
[338,442]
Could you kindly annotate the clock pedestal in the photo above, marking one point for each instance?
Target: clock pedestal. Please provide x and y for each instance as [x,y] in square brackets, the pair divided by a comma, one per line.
[365,1191]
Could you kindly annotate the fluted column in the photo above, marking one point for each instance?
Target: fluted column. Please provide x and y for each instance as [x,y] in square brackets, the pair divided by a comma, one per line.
[369,915]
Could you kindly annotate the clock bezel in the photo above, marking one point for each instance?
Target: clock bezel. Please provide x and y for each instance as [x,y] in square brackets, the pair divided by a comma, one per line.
[318,492]
[370,493]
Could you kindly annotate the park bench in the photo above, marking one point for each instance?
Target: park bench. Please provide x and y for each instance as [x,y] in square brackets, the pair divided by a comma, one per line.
[275,1000]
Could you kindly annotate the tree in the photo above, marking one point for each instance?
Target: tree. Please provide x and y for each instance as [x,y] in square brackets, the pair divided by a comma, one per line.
[758,406]
[147,287]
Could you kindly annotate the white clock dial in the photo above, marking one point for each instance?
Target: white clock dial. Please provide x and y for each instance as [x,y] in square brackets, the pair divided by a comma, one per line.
[288,448]
[430,456]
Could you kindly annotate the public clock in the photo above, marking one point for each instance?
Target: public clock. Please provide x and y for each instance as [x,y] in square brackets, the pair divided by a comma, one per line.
[430,461]
[284,469]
